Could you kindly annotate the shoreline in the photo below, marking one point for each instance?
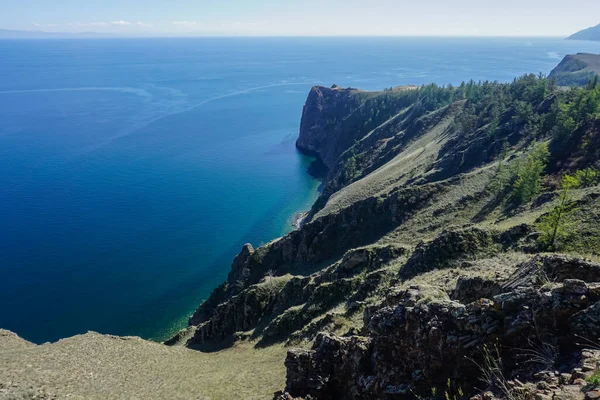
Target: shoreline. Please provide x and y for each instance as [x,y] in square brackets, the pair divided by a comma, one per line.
[298,219]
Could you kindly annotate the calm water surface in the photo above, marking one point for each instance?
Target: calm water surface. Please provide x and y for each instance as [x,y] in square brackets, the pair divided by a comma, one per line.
[132,170]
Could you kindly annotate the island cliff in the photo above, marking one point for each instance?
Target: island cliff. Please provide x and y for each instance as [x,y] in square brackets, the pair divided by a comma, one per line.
[453,253]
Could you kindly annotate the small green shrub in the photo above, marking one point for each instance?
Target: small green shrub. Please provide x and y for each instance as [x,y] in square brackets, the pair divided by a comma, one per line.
[594,380]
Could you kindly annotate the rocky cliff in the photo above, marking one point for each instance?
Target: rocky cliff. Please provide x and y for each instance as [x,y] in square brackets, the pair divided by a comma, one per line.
[576,69]
[450,254]
[416,266]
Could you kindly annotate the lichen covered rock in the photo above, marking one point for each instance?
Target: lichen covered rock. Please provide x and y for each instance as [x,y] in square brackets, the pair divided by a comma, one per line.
[418,338]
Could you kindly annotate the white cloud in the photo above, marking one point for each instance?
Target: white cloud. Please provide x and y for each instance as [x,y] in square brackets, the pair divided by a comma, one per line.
[184,23]
[89,24]
[120,23]
[45,25]
[145,25]
[99,24]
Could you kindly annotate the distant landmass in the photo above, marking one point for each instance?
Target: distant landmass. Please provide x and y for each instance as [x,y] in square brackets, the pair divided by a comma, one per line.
[592,33]
[576,69]
[14,34]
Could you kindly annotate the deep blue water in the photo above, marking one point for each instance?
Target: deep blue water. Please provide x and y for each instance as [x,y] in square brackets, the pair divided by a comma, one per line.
[132,170]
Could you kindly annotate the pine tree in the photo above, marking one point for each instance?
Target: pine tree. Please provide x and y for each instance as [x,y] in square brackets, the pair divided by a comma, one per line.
[557,224]
[528,182]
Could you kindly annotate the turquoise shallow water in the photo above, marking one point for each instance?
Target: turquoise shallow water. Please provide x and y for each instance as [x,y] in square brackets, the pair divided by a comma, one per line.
[132,171]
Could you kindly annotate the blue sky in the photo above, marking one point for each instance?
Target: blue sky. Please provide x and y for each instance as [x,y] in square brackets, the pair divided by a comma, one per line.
[304,17]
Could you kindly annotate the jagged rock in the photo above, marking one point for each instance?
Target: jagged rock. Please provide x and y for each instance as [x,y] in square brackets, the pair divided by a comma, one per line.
[360,260]
[241,313]
[469,289]
[593,394]
[294,293]
[277,309]
[322,298]
[396,356]
[331,357]
[239,267]
[587,322]
[561,267]
[513,235]
[445,249]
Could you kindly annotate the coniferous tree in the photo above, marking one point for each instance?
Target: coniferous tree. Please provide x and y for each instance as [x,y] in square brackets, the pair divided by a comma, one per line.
[528,181]
[557,224]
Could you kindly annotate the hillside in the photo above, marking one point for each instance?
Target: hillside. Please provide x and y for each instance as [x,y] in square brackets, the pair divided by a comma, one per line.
[592,33]
[453,251]
[576,70]
[94,366]
[425,211]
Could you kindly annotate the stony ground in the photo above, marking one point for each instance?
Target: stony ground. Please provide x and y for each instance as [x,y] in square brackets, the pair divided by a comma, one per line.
[94,366]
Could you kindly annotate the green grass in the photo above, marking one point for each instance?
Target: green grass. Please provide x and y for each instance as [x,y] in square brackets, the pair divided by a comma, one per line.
[594,380]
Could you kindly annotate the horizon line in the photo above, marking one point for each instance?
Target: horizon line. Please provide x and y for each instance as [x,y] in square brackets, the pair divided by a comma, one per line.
[166,35]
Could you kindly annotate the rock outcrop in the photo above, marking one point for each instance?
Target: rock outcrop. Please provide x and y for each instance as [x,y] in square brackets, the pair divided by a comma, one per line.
[320,131]
[413,271]
[418,338]
[415,274]
[318,241]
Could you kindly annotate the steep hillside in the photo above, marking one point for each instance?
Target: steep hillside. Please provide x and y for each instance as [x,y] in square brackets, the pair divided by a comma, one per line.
[576,70]
[592,33]
[436,197]
[452,252]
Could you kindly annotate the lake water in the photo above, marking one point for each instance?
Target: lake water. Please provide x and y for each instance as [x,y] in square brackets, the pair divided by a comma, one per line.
[133,170]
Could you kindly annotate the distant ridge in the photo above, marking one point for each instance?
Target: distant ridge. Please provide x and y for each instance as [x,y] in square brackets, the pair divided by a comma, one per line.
[14,34]
[592,33]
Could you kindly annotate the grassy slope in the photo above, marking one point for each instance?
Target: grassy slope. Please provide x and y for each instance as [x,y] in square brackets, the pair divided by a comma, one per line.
[424,147]
[400,152]
[94,366]
[408,164]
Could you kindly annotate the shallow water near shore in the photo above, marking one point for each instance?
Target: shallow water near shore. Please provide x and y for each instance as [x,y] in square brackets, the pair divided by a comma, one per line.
[132,171]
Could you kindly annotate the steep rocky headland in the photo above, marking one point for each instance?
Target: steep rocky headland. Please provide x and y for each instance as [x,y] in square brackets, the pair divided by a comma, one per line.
[576,69]
[453,253]
[426,256]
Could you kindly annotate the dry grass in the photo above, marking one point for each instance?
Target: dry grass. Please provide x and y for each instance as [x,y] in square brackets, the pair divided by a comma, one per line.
[413,161]
[499,267]
[95,366]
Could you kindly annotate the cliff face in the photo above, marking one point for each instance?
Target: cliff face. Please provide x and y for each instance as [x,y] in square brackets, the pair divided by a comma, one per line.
[414,260]
[333,119]
[419,336]
[422,271]
[576,69]
[320,132]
